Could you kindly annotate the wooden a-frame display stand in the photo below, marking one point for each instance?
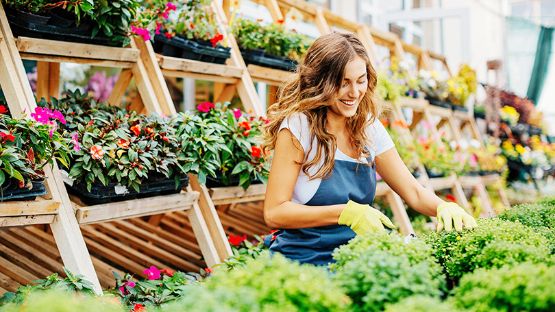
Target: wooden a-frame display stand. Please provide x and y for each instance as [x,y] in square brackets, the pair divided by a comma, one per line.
[63,214]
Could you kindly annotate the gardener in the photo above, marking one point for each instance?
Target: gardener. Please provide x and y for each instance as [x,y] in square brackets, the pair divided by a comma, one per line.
[328,145]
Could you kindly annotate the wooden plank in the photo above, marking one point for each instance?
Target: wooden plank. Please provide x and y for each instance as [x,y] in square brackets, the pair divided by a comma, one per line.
[236,194]
[76,60]
[24,262]
[203,235]
[76,50]
[198,76]
[225,94]
[135,207]
[7,283]
[269,75]
[167,234]
[364,34]
[442,183]
[42,80]
[26,220]
[321,22]
[274,10]
[417,104]
[189,66]
[54,79]
[120,87]
[26,246]
[16,273]
[28,208]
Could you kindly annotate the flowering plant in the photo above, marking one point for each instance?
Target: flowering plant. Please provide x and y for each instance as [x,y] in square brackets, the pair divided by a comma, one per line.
[150,18]
[438,157]
[430,83]
[274,39]
[28,145]
[243,160]
[159,287]
[196,22]
[509,115]
[387,89]
[400,74]
[461,86]
[244,250]
[407,150]
[112,145]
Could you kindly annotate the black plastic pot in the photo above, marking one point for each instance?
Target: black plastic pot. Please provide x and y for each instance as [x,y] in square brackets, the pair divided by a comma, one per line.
[11,191]
[473,173]
[439,103]
[101,194]
[218,182]
[432,174]
[266,60]
[533,130]
[479,114]
[416,173]
[54,29]
[459,108]
[31,18]
[189,49]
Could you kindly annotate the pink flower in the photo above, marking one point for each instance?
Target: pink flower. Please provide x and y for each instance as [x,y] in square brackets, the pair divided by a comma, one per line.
[205,107]
[237,113]
[45,115]
[170,6]
[152,273]
[158,26]
[129,284]
[143,32]
[96,152]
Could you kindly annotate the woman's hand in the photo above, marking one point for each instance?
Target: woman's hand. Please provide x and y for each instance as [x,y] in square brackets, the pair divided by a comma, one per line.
[449,214]
[363,218]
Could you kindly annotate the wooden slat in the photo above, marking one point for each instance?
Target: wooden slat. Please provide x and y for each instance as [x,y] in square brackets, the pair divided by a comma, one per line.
[76,60]
[76,50]
[189,66]
[442,183]
[419,104]
[135,208]
[269,75]
[16,273]
[26,220]
[28,208]
[181,74]
[236,194]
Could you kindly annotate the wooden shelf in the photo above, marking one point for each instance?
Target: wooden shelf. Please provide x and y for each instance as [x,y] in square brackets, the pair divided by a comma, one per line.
[442,183]
[135,208]
[236,194]
[269,75]
[469,181]
[179,67]
[416,104]
[61,51]
[18,213]
[490,179]
[440,111]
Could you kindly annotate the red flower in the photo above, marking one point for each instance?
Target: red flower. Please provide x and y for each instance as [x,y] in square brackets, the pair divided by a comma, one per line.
[7,136]
[217,38]
[149,130]
[208,270]
[31,155]
[3,109]
[123,143]
[168,272]
[280,21]
[138,307]
[205,107]
[136,129]
[166,139]
[245,125]
[451,198]
[168,35]
[256,151]
[192,26]
[96,152]
[236,240]
[246,133]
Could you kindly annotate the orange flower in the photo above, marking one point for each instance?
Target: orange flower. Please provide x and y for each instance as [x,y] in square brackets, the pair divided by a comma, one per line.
[123,143]
[96,152]
[245,124]
[280,21]
[136,129]
[149,130]
[256,151]
[400,123]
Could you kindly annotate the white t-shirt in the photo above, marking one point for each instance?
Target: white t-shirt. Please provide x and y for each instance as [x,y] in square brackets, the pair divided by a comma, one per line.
[380,142]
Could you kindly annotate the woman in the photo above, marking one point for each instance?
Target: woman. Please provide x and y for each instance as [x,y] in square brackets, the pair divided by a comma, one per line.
[328,145]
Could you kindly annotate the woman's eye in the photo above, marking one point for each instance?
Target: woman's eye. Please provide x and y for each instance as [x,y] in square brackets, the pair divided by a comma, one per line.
[362,82]
[345,84]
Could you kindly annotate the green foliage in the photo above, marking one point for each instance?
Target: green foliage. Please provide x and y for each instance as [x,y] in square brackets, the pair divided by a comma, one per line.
[268,283]
[377,278]
[244,250]
[438,157]
[112,145]
[523,287]
[243,160]
[540,216]
[156,292]
[274,39]
[113,19]
[492,244]
[380,268]
[57,300]
[26,147]
[416,250]
[421,304]
[195,21]
[387,89]
[71,283]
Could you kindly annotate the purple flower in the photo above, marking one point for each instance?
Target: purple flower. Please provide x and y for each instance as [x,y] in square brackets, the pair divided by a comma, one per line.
[101,86]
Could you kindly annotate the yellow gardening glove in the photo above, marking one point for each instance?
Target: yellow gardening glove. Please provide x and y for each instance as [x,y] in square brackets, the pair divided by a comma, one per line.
[363,218]
[450,213]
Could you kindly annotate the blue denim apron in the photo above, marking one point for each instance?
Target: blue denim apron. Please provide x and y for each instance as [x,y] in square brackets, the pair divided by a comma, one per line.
[348,181]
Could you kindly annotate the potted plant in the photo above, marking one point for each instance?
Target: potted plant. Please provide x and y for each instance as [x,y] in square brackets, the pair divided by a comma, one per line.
[26,147]
[406,151]
[243,161]
[269,45]
[461,86]
[193,35]
[85,21]
[119,155]
[399,71]
[437,158]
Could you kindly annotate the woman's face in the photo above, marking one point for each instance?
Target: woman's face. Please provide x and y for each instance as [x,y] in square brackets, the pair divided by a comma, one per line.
[352,89]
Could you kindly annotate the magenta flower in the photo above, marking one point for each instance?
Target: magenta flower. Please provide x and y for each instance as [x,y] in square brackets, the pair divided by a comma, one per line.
[170,6]
[143,32]
[237,113]
[75,141]
[205,107]
[158,27]
[152,273]
[41,115]
[129,284]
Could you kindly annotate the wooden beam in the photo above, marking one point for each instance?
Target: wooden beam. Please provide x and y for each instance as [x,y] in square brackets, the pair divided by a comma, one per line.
[120,87]
[26,208]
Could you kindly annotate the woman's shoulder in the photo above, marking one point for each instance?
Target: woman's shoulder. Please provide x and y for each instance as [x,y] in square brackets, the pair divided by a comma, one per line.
[297,119]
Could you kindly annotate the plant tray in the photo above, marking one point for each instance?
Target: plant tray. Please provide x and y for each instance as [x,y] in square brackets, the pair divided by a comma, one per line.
[439,103]
[101,194]
[38,29]
[433,174]
[217,182]
[12,192]
[258,57]
[479,114]
[190,49]
[459,108]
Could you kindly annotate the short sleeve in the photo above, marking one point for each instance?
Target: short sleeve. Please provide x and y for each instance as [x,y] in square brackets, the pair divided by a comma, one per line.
[380,141]
[298,126]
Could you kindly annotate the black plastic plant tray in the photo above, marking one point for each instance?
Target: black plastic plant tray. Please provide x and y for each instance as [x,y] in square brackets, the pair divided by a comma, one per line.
[190,49]
[459,108]
[439,103]
[82,34]
[432,174]
[101,194]
[256,58]
[12,192]
[217,182]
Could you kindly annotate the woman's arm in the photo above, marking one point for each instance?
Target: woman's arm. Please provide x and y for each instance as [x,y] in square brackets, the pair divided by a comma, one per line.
[394,172]
[279,210]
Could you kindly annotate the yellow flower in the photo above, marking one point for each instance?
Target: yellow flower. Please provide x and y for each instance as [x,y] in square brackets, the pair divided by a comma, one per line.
[520,149]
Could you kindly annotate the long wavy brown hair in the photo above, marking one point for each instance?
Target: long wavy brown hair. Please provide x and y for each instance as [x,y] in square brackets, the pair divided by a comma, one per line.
[311,91]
